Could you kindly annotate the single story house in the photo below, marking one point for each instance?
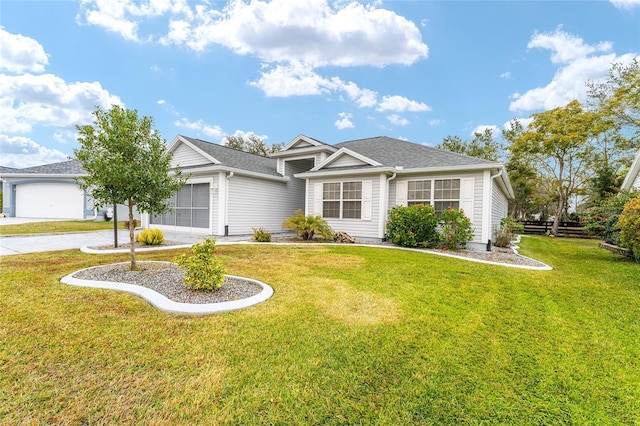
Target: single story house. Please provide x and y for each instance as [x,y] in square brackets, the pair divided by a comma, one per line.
[351,184]
[49,191]
[632,179]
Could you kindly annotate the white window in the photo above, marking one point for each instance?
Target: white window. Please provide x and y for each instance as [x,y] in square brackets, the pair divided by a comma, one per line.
[440,193]
[342,200]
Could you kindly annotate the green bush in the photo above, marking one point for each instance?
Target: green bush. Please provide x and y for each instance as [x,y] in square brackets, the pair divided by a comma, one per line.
[202,271]
[602,220]
[629,224]
[261,235]
[456,229]
[413,226]
[512,225]
[151,237]
[308,226]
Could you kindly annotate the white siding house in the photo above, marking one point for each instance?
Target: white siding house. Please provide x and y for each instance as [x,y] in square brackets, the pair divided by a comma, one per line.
[352,185]
[632,180]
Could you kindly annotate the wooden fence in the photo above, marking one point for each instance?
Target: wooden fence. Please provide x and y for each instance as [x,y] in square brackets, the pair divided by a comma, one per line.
[566,229]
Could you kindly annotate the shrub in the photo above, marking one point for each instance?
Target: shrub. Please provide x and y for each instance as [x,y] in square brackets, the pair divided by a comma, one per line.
[502,236]
[261,235]
[456,229]
[151,237]
[308,226]
[512,225]
[602,220]
[412,226]
[629,224]
[202,271]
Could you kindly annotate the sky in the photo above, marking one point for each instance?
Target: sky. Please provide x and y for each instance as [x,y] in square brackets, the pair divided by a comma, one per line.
[331,70]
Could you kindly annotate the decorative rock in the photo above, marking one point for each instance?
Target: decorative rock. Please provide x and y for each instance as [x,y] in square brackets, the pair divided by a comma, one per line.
[343,237]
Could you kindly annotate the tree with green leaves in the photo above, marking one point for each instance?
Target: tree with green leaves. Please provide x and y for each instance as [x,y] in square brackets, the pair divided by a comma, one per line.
[558,144]
[126,163]
[482,145]
[618,98]
[252,144]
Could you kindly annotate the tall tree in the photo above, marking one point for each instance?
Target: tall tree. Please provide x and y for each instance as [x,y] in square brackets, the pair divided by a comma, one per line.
[557,144]
[252,144]
[523,177]
[126,163]
[618,98]
[482,145]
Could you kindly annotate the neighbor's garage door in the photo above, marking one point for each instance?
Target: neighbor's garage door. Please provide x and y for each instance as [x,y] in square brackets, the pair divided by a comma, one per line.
[49,200]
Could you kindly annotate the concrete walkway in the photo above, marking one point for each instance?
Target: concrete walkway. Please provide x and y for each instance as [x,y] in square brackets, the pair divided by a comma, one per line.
[19,244]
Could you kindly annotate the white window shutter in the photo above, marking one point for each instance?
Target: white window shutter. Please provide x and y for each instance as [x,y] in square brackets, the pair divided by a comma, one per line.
[317,198]
[367,189]
[402,190]
[467,189]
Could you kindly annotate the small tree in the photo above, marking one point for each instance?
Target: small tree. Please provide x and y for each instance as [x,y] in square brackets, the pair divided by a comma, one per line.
[629,224]
[308,226]
[126,163]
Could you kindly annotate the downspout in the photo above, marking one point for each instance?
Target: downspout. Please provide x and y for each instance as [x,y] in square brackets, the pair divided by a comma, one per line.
[493,177]
[226,205]
[386,204]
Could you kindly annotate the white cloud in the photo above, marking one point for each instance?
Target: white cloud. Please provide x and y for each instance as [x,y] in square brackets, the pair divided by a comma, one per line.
[20,54]
[200,126]
[435,122]
[578,63]
[310,31]
[363,97]
[481,128]
[161,102]
[397,120]
[294,79]
[344,122]
[123,16]
[566,47]
[506,75]
[625,4]
[524,121]
[31,100]
[20,152]
[401,104]
[246,135]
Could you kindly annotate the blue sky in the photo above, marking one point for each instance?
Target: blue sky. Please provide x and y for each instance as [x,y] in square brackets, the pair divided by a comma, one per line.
[332,70]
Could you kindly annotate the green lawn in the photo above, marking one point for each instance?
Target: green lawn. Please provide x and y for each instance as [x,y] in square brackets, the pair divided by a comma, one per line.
[352,335]
[56,226]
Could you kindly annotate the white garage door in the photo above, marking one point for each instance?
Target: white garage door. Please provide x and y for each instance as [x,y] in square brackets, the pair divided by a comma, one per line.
[49,200]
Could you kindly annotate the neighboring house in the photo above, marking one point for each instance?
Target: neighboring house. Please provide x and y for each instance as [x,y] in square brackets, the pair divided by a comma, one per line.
[49,191]
[632,180]
[351,184]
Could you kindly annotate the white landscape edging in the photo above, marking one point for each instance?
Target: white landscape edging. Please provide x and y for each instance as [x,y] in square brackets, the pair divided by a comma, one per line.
[167,305]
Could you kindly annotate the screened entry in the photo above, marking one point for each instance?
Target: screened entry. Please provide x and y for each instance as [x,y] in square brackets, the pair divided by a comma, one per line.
[190,208]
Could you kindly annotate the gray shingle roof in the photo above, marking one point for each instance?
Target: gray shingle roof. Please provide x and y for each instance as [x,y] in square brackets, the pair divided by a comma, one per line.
[4,169]
[70,167]
[392,152]
[237,159]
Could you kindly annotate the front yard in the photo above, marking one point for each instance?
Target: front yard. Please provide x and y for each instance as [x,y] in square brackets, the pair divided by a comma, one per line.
[352,335]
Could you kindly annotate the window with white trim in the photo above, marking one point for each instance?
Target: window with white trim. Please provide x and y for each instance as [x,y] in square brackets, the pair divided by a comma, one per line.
[440,193]
[342,200]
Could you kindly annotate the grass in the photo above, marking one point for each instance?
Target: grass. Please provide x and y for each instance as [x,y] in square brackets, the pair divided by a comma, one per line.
[352,335]
[55,226]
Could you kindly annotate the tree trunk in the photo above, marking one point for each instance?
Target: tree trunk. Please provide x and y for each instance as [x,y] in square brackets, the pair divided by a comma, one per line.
[132,238]
[559,211]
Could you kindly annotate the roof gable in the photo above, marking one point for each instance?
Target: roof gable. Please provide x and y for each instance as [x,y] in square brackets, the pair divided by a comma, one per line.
[633,176]
[302,141]
[345,157]
[229,157]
